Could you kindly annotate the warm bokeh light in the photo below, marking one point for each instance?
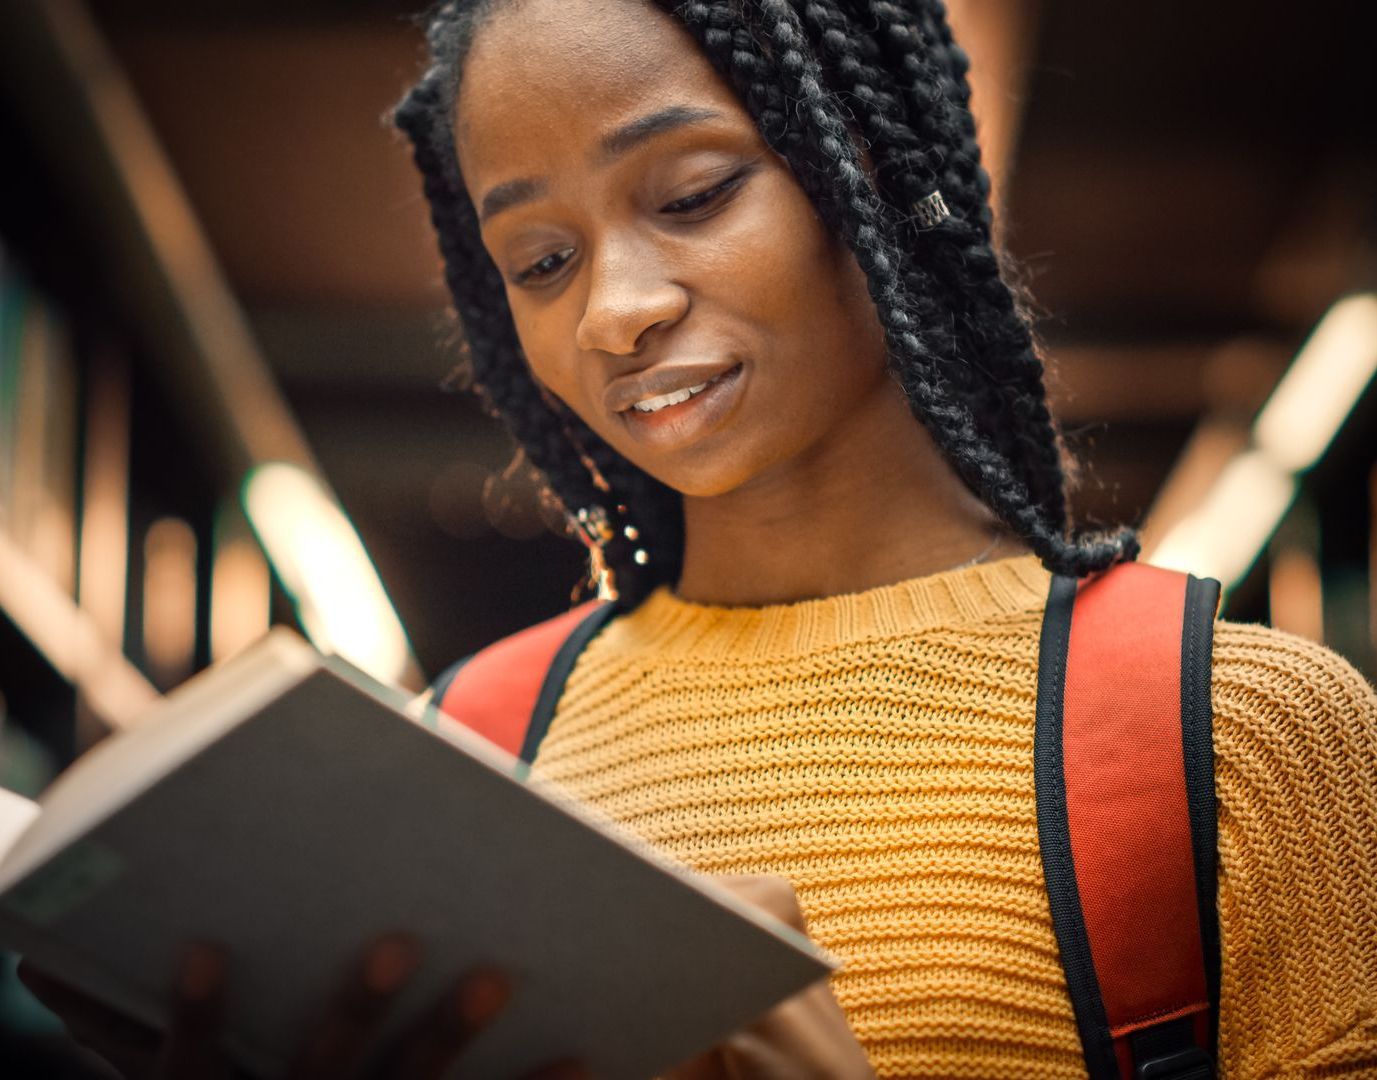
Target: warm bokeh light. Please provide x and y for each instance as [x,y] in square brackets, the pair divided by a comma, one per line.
[1223,537]
[1296,595]
[323,566]
[70,640]
[240,596]
[105,500]
[169,599]
[1315,396]
[999,36]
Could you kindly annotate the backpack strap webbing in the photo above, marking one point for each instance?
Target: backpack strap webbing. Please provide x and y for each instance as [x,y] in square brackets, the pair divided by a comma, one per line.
[1124,770]
[508,692]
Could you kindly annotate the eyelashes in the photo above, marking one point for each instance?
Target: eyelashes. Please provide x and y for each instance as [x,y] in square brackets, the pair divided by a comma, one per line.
[534,272]
[698,200]
[706,199]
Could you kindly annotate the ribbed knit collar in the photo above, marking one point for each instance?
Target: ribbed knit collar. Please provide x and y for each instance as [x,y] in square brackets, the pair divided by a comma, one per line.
[666,624]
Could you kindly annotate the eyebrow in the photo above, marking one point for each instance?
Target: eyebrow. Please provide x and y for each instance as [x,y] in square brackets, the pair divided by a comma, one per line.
[508,194]
[639,130]
[512,193]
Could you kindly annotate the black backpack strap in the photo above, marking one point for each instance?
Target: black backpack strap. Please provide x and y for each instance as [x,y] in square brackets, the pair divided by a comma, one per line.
[508,691]
[552,689]
[439,686]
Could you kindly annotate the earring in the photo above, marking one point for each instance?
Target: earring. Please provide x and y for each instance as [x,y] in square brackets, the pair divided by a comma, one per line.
[592,526]
[596,530]
[591,523]
[640,557]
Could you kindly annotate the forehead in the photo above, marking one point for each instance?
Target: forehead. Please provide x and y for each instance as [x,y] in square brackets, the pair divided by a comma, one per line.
[545,77]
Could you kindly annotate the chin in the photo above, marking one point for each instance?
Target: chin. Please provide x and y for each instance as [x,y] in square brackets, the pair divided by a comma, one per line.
[707,481]
[698,489]
[718,464]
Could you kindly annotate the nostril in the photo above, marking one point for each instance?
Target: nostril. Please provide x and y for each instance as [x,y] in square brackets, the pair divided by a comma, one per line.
[618,315]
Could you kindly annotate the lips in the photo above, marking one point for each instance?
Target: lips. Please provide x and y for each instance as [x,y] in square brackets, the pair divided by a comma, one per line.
[674,429]
[665,378]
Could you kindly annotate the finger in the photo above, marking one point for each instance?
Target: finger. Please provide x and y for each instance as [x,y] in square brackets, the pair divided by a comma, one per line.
[192,1048]
[451,1025]
[358,1009]
[810,1026]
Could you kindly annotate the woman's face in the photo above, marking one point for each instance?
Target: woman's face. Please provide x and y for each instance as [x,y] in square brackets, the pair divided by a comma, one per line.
[653,245]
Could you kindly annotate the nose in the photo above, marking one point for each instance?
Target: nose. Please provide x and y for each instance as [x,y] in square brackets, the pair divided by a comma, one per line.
[628,294]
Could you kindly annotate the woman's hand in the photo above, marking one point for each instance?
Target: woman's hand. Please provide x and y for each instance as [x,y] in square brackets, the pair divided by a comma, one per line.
[806,1036]
[334,1049]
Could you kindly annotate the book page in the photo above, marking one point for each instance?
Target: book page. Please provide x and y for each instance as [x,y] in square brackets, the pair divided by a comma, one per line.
[16,814]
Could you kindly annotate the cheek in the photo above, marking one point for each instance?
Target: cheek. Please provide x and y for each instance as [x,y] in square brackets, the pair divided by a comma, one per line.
[546,340]
[802,281]
[769,263]
[805,288]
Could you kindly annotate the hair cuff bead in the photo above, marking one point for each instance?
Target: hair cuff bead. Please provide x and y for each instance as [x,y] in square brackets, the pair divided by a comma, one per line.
[931,210]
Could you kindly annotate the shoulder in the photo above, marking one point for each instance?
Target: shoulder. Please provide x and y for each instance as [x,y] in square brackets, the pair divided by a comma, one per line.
[1290,683]
[1295,732]
[529,641]
[495,691]
[1295,738]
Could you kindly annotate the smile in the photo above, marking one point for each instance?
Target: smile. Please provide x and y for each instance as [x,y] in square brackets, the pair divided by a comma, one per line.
[676,397]
[673,420]
[663,384]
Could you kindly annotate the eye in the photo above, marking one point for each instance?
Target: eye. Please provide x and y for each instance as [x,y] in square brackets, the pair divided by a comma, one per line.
[543,268]
[697,201]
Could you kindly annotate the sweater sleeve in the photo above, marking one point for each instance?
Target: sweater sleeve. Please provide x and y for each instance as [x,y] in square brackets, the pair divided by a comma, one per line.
[1296,776]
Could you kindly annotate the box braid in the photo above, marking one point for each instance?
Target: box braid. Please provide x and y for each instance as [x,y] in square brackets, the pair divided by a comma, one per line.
[971,269]
[958,343]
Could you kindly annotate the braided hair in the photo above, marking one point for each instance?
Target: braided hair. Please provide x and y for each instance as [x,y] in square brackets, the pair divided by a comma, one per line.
[819,78]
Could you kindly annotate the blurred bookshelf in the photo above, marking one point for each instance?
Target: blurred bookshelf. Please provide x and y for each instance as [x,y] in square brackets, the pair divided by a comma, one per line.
[39,477]
[114,495]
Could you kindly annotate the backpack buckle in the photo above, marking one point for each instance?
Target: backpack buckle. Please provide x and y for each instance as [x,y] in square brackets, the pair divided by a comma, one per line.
[1192,1063]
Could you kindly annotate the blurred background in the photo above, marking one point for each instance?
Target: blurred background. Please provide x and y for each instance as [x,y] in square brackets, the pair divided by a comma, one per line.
[223,334]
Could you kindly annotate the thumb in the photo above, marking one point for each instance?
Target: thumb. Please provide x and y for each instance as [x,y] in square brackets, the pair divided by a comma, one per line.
[769,892]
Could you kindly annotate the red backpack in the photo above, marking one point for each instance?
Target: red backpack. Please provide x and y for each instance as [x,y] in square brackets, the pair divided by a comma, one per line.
[1124,772]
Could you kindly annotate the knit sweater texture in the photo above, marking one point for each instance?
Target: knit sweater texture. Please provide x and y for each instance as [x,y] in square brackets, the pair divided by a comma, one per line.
[876,749]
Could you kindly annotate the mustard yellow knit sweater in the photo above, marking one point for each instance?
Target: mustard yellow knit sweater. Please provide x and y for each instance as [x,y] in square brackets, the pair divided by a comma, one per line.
[877,750]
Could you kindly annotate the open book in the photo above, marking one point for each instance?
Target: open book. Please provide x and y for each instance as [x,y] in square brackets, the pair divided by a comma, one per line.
[283,804]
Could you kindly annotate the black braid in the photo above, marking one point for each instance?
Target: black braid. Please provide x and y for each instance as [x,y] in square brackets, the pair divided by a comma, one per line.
[963,259]
[958,342]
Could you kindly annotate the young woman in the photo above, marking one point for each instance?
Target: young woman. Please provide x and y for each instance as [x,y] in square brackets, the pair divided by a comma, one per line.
[724,269]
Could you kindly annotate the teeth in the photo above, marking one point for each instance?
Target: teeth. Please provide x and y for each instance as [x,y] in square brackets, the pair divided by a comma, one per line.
[678,396]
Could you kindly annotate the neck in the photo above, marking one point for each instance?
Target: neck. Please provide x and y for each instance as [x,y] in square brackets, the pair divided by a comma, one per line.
[871,503]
